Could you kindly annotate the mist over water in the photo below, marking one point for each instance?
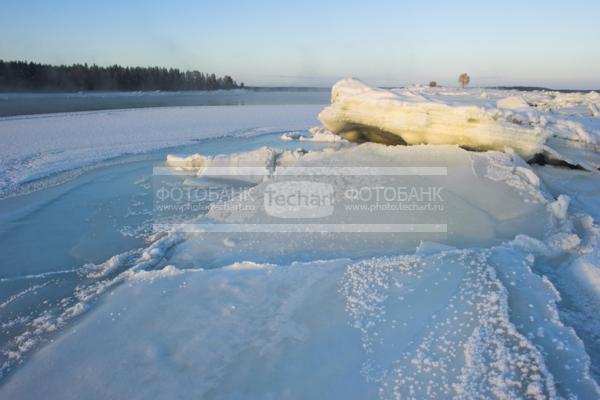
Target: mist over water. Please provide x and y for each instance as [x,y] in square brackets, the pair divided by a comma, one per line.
[42,103]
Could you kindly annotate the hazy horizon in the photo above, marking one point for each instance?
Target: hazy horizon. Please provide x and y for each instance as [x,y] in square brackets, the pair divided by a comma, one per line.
[267,43]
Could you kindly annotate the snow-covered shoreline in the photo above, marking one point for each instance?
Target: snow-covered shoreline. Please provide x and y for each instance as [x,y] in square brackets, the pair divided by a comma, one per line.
[35,147]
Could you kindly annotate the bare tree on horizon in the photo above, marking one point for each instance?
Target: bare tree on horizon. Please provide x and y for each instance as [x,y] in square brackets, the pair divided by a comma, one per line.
[464,79]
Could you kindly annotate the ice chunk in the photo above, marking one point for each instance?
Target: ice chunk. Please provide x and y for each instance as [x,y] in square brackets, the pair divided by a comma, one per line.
[485,200]
[586,274]
[554,124]
[144,275]
[560,206]
[513,103]
[194,162]
[317,134]
[251,166]
[361,113]
[288,136]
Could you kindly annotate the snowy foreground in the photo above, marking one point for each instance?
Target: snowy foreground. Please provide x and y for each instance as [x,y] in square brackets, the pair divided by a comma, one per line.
[501,303]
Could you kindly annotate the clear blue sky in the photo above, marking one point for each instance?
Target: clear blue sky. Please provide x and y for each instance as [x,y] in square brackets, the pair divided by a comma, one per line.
[263,42]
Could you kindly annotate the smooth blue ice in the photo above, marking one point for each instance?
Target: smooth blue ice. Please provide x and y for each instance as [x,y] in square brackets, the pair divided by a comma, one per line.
[48,236]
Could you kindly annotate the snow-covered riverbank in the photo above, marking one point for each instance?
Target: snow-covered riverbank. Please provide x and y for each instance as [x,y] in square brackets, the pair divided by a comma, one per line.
[37,146]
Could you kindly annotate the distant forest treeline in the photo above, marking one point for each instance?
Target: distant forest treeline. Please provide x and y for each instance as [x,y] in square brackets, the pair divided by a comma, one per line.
[20,76]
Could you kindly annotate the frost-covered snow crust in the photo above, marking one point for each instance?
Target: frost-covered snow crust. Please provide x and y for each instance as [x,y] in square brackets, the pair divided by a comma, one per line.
[438,320]
[561,126]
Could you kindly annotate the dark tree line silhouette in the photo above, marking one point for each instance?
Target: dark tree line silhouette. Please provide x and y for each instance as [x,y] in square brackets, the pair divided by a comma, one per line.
[28,76]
